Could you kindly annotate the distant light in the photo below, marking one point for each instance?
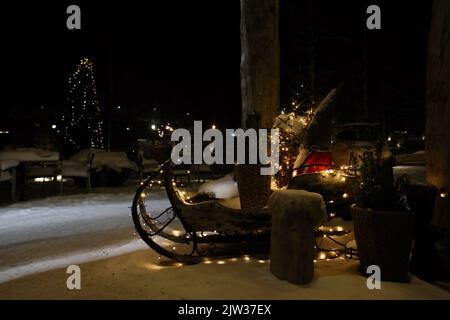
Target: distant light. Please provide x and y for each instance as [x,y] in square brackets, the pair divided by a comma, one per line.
[188,114]
[54,126]
[4,132]
[49,179]
[345,195]
[118,107]
[389,139]
[128,129]
[213,127]
[444,194]
[153,127]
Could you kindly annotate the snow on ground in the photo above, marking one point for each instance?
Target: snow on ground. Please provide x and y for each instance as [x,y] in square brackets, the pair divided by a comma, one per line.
[416,173]
[44,234]
[40,238]
[140,275]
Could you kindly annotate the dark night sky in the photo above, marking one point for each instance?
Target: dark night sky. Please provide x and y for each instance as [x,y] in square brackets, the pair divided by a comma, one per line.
[183,56]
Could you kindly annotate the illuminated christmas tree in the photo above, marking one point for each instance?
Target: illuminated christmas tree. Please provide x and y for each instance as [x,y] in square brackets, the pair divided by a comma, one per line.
[82,125]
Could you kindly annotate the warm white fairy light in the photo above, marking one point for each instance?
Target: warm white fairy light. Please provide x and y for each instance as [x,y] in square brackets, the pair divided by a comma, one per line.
[84,112]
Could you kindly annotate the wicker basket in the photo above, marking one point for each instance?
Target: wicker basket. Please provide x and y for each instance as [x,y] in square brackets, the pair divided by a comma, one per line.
[254,188]
[161,152]
[384,239]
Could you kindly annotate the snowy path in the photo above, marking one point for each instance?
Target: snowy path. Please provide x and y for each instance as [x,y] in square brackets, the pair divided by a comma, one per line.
[416,173]
[50,233]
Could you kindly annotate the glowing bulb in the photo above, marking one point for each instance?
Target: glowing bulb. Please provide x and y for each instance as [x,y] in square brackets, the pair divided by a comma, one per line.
[444,194]
[345,195]
[213,127]
[322,256]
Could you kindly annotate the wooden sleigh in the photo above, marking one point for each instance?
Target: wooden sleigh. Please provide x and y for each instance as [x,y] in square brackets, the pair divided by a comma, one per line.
[195,226]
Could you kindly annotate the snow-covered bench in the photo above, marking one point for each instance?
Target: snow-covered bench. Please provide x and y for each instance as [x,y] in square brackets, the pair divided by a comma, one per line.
[8,175]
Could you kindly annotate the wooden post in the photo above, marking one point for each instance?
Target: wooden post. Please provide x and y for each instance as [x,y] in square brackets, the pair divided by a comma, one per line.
[260,86]
[438,97]
[295,215]
[260,62]
[438,120]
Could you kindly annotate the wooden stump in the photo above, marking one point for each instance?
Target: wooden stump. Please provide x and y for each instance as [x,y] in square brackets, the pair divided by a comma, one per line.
[295,214]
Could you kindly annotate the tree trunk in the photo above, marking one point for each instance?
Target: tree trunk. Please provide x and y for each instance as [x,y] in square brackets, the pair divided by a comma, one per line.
[438,122]
[260,62]
[438,91]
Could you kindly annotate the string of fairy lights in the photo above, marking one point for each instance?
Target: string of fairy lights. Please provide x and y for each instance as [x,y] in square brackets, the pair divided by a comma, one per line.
[83,116]
[298,112]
